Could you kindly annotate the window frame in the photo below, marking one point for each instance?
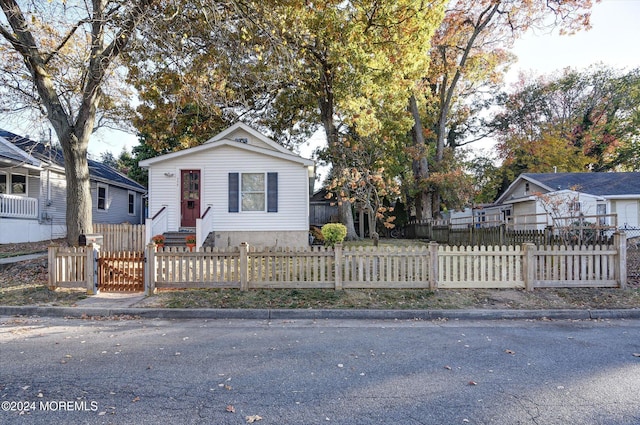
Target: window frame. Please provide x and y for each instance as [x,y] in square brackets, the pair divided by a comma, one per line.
[234,192]
[242,192]
[131,203]
[106,197]
[575,206]
[7,179]
[26,184]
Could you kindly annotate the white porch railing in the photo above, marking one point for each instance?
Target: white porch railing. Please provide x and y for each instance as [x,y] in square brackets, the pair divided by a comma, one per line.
[203,226]
[18,206]
[156,225]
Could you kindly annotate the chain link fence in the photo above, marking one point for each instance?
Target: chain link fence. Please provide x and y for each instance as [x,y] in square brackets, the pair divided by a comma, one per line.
[633,252]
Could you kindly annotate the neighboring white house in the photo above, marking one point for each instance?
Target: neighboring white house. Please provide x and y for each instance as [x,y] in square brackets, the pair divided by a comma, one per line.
[586,194]
[33,189]
[239,186]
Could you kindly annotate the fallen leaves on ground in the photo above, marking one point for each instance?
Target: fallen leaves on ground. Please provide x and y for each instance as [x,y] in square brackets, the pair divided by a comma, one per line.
[509,351]
[253,418]
[231,409]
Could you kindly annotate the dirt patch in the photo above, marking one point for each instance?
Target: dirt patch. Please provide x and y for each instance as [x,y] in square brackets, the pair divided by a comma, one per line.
[578,298]
[25,283]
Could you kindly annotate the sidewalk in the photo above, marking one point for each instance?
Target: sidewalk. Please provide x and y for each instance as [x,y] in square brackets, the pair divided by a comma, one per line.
[18,258]
[111,300]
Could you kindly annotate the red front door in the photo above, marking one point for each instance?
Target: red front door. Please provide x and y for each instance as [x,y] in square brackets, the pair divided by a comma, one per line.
[190,197]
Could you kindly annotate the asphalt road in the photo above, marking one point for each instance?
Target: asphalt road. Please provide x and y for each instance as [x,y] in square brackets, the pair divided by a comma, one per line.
[154,371]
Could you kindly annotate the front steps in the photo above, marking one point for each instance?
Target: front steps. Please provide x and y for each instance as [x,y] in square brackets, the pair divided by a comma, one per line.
[179,238]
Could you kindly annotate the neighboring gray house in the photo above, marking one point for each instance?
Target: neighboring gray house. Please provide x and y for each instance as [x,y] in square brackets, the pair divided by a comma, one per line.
[239,186]
[33,192]
[584,193]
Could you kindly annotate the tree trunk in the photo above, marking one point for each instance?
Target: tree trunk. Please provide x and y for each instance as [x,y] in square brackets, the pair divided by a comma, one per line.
[79,201]
[326,115]
[420,165]
[346,217]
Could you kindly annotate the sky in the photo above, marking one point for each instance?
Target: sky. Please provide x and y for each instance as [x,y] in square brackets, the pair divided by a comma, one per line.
[613,40]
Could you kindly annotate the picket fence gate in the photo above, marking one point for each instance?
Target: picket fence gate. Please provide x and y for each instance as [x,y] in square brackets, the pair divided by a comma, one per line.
[426,267]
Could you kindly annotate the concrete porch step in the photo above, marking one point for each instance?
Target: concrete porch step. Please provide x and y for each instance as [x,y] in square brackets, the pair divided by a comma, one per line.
[177,238]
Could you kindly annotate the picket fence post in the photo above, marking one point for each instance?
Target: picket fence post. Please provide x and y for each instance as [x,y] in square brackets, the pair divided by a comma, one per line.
[150,272]
[91,269]
[337,252]
[244,267]
[528,263]
[53,273]
[433,266]
[620,244]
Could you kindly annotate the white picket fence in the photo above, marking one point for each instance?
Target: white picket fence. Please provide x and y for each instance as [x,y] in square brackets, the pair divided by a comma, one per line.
[428,267]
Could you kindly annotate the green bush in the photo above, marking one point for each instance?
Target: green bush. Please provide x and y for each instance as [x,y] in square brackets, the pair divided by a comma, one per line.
[333,233]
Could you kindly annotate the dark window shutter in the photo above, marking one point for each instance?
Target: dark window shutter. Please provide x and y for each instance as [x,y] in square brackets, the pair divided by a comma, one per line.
[234,192]
[272,192]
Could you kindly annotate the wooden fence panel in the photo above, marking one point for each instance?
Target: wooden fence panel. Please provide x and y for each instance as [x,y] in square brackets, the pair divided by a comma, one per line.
[311,267]
[386,267]
[67,267]
[177,267]
[585,266]
[121,237]
[480,267]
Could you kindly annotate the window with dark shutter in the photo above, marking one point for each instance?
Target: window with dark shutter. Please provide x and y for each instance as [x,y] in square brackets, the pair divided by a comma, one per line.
[272,192]
[234,192]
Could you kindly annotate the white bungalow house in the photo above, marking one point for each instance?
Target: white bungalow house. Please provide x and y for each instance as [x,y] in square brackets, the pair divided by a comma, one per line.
[33,198]
[577,194]
[239,186]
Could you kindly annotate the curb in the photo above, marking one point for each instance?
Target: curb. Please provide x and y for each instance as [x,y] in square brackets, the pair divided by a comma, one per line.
[284,314]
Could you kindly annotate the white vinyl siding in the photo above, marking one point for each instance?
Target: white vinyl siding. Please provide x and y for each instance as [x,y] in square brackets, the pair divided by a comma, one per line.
[215,165]
[55,205]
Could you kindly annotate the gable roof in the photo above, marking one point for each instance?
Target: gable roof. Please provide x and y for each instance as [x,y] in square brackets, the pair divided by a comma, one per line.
[102,172]
[22,149]
[607,185]
[253,132]
[274,150]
